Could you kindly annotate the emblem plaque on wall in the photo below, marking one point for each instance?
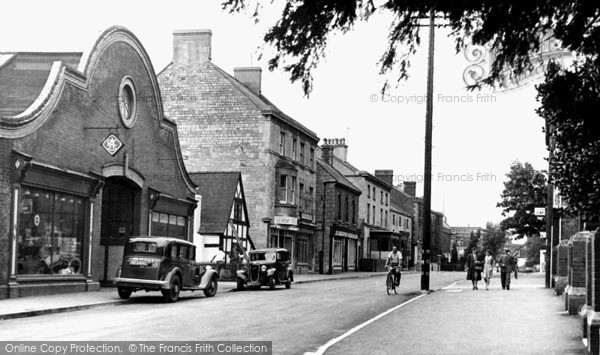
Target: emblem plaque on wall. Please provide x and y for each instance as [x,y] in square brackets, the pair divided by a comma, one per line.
[112,144]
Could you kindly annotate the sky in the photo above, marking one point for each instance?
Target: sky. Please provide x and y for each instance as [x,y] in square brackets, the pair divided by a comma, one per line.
[476,135]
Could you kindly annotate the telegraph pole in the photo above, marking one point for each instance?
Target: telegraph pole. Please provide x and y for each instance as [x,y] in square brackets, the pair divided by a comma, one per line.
[426,267]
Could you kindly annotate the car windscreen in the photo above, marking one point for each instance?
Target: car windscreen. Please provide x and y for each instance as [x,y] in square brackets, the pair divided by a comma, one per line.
[262,256]
[141,247]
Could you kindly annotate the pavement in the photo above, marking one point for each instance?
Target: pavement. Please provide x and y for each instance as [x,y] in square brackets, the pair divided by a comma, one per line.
[66,302]
[527,319]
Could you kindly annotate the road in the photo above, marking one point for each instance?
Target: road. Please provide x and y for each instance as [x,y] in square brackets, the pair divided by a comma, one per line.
[297,320]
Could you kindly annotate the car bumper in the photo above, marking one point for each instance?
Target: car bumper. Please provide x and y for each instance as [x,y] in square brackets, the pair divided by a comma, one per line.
[145,284]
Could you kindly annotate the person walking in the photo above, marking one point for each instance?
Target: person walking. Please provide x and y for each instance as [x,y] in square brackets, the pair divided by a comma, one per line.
[474,268]
[488,268]
[505,262]
[219,259]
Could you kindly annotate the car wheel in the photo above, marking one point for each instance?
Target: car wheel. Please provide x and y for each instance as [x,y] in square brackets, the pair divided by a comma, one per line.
[124,292]
[172,295]
[240,284]
[211,289]
[271,282]
[288,284]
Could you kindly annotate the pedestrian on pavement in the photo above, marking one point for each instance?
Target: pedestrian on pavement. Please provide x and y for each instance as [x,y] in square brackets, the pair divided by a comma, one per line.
[219,259]
[505,262]
[474,268]
[488,268]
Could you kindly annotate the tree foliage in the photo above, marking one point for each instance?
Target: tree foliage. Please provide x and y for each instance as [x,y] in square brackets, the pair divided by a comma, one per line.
[533,246]
[525,189]
[512,28]
[493,239]
[473,242]
[570,104]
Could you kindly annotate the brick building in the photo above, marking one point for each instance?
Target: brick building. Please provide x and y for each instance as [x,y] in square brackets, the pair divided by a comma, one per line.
[227,124]
[87,159]
[337,215]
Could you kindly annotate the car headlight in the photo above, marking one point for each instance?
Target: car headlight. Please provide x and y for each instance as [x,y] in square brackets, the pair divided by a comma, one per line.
[263,268]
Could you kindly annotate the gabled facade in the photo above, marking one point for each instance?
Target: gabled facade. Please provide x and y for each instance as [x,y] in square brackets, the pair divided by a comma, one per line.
[87,160]
[224,221]
[227,124]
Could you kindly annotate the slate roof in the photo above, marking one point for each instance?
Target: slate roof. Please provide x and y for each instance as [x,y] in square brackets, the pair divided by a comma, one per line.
[218,191]
[260,101]
[24,74]
[337,176]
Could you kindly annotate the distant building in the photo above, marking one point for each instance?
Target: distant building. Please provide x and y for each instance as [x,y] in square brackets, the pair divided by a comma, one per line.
[460,236]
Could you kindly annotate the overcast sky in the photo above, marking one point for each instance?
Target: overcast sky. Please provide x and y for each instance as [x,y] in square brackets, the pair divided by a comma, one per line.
[476,134]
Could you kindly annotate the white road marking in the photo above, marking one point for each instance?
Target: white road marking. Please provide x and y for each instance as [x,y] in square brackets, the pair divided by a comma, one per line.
[333,341]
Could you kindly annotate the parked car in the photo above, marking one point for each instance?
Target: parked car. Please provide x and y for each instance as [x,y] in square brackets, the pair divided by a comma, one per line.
[163,264]
[266,267]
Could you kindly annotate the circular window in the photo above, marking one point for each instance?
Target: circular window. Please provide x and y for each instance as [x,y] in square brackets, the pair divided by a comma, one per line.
[127,102]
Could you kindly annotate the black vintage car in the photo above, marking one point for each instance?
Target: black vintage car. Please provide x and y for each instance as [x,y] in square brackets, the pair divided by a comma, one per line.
[163,264]
[267,267]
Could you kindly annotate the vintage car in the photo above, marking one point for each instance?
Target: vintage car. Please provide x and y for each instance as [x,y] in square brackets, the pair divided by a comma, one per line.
[163,264]
[266,267]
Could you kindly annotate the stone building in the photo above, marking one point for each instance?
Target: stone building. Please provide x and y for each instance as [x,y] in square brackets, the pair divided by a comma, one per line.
[227,124]
[87,160]
[337,215]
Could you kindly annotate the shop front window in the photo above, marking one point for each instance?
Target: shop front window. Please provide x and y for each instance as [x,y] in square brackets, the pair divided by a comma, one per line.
[169,225]
[303,248]
[51,233]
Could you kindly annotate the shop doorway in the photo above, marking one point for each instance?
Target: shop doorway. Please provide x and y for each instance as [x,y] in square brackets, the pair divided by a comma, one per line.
[120,221]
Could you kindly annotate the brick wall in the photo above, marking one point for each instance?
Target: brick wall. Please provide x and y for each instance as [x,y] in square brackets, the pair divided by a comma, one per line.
[71,139]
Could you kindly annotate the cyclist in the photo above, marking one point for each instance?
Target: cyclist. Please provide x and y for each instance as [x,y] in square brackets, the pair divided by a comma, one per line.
[394,260]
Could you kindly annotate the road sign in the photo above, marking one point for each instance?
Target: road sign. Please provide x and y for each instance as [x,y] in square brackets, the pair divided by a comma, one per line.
[539,211]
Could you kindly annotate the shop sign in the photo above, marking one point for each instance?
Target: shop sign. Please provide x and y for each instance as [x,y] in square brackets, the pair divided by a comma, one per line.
[306,216]
[292,221]
[112,144]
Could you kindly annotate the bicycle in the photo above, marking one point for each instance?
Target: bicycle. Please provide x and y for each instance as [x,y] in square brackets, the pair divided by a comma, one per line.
[390,283]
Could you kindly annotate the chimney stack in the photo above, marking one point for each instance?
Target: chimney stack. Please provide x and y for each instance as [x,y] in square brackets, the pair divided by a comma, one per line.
[386,176]
[250,77]
[340,149]
[327,152]
[410,187]
[191,46]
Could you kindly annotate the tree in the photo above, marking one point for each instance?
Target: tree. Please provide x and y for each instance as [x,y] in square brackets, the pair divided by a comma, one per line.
[533,246]
[513,29]
[524,190]
[570,106]
[493,239]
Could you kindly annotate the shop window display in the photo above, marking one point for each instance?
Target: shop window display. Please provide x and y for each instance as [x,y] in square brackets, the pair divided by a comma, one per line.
[51,233]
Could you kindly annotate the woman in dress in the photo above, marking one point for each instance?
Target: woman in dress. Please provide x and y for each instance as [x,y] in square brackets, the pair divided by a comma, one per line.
[488,268]
[473,268]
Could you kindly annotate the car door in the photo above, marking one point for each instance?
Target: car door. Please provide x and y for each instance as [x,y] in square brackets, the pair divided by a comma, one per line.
[282,265]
